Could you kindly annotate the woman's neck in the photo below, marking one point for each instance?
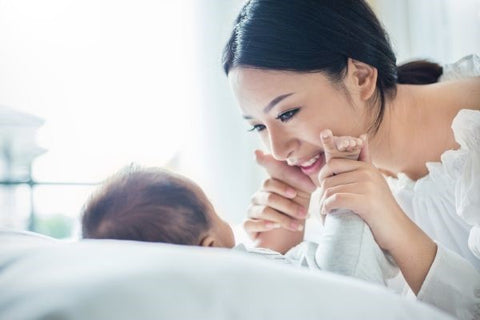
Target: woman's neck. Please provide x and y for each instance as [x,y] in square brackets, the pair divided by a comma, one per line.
[412,132]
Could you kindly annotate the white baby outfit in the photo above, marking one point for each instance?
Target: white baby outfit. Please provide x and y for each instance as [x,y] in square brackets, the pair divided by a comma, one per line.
[358,260]
[346,247]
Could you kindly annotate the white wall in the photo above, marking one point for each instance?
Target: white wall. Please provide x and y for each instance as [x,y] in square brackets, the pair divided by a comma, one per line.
[220,154]
[122,81]
[441,30]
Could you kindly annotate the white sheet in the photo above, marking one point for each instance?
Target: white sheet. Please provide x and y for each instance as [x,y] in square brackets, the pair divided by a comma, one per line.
[105,279]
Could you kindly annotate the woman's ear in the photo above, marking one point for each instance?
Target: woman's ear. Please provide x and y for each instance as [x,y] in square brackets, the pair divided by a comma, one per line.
[362,78]
[207,241]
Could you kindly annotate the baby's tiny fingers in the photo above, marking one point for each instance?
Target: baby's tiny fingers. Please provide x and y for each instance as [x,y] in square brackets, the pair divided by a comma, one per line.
[327,139]
[355,143]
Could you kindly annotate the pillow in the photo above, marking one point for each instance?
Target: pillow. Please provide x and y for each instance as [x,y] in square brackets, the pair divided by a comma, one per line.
[113,279]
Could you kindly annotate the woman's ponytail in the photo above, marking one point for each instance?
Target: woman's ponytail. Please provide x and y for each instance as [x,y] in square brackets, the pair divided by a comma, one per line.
[419,72]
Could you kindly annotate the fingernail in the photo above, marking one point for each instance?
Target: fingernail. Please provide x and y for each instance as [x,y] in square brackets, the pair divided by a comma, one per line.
[291,193]
[296,227]
[326,133]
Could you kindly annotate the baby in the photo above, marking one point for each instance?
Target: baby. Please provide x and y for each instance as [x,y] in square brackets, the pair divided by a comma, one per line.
[155,205]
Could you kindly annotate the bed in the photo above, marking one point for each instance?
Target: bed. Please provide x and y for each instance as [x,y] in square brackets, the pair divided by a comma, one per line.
[44,278]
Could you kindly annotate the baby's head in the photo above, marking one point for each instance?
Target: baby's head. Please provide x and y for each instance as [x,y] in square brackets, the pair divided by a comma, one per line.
[155,205]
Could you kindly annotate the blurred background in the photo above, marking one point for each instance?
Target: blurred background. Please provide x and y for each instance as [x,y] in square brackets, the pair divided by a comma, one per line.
[88,87]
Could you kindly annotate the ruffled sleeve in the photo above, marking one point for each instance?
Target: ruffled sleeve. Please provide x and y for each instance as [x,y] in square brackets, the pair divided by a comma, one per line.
[466,128]
[453,285]
[466,67]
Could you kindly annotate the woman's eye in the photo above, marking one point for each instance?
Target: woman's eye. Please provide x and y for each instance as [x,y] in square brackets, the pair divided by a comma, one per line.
[257,127]
[284,117]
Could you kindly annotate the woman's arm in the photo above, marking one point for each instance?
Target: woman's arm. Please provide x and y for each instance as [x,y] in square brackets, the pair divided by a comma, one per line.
[453,285]
[437,275]
[414,252]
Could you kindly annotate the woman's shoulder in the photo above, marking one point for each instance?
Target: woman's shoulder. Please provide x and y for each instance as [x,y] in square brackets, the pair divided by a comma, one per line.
[466,67]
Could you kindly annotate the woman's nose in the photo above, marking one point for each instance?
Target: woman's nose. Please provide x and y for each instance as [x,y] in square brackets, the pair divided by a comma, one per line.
[281,146]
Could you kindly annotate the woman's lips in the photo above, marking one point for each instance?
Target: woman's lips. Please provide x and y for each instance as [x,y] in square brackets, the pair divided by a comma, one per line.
[314,167]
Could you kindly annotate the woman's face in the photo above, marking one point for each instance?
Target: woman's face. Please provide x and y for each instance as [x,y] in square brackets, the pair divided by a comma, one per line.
[289,110]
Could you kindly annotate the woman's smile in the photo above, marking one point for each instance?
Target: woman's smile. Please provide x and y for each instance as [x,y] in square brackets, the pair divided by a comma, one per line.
[311,166]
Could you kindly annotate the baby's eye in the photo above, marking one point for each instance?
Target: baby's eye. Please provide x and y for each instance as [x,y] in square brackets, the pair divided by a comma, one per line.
[284,117]
[257,127]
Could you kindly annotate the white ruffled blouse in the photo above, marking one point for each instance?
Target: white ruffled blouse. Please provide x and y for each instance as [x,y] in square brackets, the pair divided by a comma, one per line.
[446,202]
[446,205]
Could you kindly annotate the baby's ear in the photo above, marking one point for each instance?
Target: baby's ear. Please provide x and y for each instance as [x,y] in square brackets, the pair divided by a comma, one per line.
[207,241]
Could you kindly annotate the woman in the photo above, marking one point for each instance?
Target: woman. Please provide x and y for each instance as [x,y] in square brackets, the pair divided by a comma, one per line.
[300,67]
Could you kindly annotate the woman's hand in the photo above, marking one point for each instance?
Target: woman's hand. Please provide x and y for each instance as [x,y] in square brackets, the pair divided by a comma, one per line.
[277,212]
[277,205]
[360,187]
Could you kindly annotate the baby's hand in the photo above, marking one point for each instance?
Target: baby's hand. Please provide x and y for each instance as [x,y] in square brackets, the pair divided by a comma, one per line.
[340,147]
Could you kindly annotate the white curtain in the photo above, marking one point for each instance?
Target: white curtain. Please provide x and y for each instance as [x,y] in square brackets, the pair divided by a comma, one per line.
[127,81]
[219,156]
[441,30]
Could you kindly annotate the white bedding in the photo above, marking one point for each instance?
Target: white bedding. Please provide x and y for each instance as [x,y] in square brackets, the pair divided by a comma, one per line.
[41,278]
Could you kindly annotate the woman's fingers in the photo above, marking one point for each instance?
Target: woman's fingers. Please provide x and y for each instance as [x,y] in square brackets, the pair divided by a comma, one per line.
[254,227]
[278,187]
[282,171]
[347,196]
[342,179]
[340,200]
[332,193]
[277,205]
[277,202]
[337,166]
[273,219]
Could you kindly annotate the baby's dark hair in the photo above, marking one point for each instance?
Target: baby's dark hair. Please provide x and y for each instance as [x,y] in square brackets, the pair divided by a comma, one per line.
[146,204]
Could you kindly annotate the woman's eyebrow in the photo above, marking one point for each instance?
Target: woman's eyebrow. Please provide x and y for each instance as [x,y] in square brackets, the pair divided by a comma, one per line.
[272,104]
[275,101]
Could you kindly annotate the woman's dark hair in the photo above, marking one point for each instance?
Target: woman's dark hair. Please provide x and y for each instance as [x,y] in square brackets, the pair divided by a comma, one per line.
[145,204]
[320,35]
